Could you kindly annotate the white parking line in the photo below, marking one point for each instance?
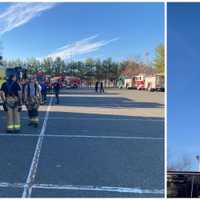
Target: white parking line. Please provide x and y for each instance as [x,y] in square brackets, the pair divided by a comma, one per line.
[85,136]
[135,190]
[12,185]
[107,137]
[100,188]
[104,119]
[33,169]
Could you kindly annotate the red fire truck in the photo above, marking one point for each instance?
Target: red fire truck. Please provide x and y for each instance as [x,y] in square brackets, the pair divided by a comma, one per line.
[72,82]
[140,81]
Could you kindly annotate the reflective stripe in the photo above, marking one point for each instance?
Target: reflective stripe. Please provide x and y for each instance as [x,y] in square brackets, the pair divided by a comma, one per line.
[35,119]
[17,126]
[10,126]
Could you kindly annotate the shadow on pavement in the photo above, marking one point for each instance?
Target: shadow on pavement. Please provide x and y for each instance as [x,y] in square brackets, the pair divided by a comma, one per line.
[106,102]
[85,91]
[134,163]
[93,124]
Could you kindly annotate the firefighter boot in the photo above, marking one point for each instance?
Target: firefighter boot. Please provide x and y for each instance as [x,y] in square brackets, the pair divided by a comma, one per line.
[10,120]
[17,125]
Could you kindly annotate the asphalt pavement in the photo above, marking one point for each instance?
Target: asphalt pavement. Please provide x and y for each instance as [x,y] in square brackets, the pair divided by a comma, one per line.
[90,145]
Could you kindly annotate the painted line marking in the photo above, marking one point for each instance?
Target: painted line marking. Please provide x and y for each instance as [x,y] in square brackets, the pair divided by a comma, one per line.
[108,137]
[12,185]
[86,136]
[135,190]
[102,119]
[33,168]
[100,188]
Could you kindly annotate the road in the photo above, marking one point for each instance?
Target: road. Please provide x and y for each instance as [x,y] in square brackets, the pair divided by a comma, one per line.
[91,145]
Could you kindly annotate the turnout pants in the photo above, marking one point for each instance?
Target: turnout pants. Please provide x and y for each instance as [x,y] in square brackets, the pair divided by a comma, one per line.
[13,115]
[32,107]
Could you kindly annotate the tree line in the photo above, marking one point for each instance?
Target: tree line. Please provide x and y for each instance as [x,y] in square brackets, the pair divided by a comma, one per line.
[93,69]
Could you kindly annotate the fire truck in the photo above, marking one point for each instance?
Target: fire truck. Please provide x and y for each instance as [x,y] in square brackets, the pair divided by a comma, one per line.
[72,82]
[129,83]
[140,82]
[155,82]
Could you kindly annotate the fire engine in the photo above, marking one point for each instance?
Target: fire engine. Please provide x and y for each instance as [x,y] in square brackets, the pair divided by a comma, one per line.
[155,82]
[129,83]
[72,81]
[140,81]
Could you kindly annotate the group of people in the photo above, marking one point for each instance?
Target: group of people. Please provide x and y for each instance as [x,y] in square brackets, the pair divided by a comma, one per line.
[99,87]
[31,93]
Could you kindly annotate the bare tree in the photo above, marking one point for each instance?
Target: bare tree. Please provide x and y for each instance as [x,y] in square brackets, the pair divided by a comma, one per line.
[132,67]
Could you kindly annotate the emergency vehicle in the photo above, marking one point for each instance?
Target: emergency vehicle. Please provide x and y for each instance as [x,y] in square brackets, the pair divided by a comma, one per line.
[140,82]
[72,82]
[129,83]
[155,82]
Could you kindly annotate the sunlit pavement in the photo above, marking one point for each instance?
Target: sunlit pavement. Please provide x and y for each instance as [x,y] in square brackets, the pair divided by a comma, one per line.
[91,145]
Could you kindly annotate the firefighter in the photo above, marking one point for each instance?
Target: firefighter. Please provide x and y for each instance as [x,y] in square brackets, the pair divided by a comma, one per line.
[23,84]
[101,88]
[96,86]
[11,97]
[56,87]
[43,91]
[32,101]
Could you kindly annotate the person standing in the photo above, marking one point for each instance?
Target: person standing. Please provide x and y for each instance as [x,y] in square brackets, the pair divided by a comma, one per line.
[96,86]
[32,101]
[12,104]
[23,84]
[101,88]
[56,87]
[43,92]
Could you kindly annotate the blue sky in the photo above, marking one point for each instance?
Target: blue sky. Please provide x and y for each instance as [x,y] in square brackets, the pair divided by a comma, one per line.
[81,30]
[183,80]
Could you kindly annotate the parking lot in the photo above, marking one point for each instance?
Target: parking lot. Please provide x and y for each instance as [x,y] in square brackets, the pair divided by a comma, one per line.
[91,145]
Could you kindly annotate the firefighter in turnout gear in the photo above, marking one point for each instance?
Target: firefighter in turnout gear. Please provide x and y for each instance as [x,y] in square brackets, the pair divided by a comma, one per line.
[11,97]
[32,101]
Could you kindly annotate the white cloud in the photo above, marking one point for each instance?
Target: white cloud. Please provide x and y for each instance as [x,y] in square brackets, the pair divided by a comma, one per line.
[80,47]
[21,13]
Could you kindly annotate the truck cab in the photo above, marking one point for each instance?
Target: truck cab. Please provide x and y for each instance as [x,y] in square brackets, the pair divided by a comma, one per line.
[140,81]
